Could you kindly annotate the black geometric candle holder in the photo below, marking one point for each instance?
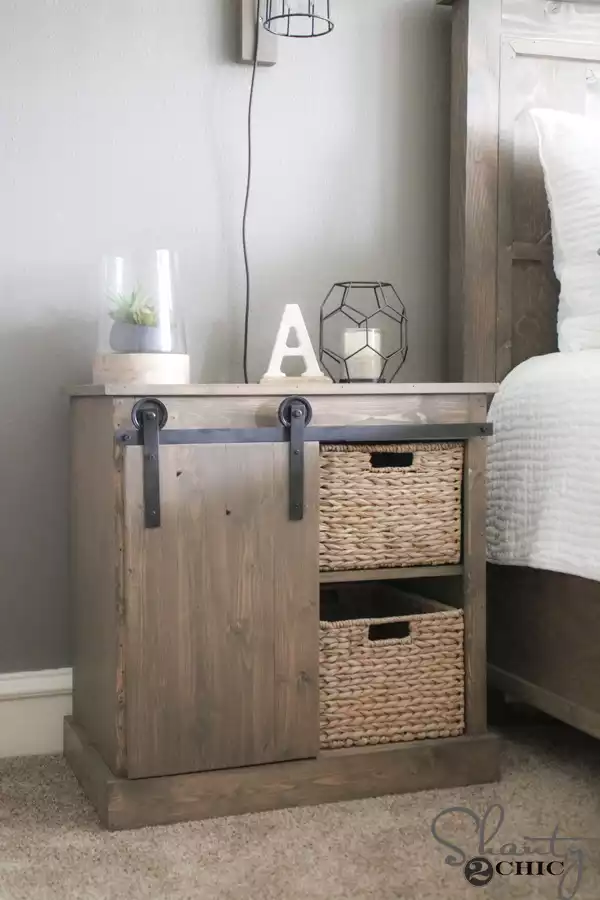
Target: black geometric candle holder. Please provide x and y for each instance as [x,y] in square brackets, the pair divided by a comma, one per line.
[363,332]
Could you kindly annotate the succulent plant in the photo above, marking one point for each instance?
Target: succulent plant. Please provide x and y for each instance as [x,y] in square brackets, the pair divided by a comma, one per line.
[133,309]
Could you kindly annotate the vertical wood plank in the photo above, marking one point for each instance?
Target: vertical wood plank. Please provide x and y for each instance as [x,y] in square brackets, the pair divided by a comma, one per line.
[504,311]
[474,175]
[458,174]
[474,583]
[95,571]
[481,224]
[121,623]
[222,612]
[296,592]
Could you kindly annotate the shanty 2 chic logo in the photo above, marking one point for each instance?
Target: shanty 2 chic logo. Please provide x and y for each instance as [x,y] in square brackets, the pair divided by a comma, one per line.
[551,857]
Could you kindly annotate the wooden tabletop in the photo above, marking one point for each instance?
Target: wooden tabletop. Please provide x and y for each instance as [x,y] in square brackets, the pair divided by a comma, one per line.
[276,389]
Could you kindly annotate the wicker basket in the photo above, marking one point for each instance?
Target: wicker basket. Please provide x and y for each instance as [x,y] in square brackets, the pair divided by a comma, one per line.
[390,690]
[375,516]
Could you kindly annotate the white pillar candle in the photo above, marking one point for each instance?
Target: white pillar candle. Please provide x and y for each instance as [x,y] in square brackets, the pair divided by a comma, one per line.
[364,362]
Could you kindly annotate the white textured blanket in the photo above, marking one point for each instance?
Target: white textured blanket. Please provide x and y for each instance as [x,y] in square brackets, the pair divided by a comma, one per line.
[544,466]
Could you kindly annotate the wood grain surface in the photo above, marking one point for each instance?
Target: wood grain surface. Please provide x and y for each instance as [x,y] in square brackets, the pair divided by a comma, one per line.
[336,775]
[254,412]
[95,560]
[387,574]
[544,630]
[474,188]
[474,585]
[509,56]
[285,389]
[222,611]
[554,73]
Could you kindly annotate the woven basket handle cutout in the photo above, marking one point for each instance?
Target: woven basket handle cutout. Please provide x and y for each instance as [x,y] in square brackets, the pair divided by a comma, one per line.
[391,460]
[393,630]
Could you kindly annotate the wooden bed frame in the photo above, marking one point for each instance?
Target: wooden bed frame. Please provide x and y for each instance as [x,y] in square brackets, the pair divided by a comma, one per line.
[508,56]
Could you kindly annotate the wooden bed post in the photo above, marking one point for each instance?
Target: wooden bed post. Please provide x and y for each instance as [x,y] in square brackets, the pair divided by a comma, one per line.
[474,188]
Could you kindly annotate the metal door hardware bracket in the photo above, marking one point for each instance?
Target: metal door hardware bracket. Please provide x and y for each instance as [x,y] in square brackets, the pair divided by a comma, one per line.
[294,414]
[149,416]
[324,434]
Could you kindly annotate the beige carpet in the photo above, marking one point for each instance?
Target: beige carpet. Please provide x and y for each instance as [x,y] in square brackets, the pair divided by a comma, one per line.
[51,847]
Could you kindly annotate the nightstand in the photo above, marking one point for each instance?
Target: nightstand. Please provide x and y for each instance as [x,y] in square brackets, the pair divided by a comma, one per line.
[196,584]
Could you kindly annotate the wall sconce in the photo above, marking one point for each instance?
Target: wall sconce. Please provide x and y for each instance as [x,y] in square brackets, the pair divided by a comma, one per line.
[298,18]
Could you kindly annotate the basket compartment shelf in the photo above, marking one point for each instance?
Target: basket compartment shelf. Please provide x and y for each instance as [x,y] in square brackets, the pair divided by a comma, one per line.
[351,575]
[391,667]
[390,505]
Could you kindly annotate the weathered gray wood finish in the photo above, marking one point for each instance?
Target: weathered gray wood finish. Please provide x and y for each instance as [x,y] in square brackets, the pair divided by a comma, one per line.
[474,186]
[474,596]
[253,412]
[509,56]
[96,577]
[222,611]
[544,645]
[548,72]
[271,391]
[352,575]
[336,775]
[197,642]
[544,627]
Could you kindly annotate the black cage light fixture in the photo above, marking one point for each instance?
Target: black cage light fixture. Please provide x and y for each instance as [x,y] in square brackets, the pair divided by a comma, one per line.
[298,18]
[363,332]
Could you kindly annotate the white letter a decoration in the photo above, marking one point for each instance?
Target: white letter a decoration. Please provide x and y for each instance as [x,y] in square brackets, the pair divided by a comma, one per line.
[292,321]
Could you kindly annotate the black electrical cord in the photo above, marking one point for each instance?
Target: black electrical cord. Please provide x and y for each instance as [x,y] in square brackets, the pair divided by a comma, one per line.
[248,186]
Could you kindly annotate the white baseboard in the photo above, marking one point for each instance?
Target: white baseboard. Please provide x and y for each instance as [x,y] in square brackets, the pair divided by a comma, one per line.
[32,708]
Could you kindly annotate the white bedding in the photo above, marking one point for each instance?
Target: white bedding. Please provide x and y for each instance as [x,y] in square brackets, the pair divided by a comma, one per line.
[544,466]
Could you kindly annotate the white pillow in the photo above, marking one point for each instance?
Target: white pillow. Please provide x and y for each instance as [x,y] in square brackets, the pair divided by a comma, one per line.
[570,155]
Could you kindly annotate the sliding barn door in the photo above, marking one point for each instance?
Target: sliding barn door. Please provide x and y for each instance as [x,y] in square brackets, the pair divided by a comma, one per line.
[222,611]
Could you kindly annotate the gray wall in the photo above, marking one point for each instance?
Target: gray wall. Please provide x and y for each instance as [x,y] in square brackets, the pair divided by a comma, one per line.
[122,123]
